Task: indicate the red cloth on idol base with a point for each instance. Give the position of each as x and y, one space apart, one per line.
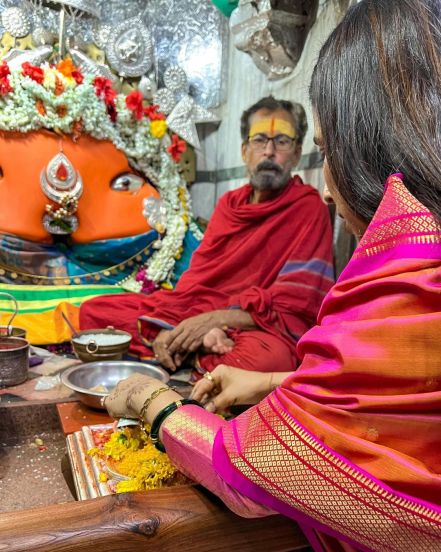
272 259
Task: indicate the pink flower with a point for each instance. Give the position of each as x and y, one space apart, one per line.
148 286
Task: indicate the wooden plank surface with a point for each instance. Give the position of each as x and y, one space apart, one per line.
181 519
74 415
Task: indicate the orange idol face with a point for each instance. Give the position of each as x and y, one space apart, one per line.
110 205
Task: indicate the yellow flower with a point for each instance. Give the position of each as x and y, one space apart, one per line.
134 456
103 477
158 128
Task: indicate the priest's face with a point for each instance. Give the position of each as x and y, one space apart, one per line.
271 151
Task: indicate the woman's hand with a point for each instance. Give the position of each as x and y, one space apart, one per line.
227 386
129 396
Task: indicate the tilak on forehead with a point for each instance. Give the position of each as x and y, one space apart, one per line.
272 126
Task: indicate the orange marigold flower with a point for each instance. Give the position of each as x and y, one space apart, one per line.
61 111
32 71
177 148
68 69
134 103
40 107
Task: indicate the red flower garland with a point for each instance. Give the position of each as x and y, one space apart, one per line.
34 72
134 103
5 85
104 90
177 148
153 113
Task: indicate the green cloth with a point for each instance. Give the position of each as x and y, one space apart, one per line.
226 6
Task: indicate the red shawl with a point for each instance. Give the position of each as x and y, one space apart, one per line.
272 259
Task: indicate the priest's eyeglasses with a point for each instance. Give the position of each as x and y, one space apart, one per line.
281 142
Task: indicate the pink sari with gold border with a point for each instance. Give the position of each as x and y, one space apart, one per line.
350 444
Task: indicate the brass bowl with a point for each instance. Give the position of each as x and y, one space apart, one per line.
95 380
98 345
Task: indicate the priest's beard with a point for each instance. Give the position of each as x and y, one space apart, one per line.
270 176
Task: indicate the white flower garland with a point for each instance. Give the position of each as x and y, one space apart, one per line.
79 102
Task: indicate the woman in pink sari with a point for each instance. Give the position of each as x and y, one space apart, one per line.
350 444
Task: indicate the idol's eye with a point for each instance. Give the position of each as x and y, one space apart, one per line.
127 182
1 172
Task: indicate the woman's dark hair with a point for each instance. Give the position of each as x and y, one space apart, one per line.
269 102
376 92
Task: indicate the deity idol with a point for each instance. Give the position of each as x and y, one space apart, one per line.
91 193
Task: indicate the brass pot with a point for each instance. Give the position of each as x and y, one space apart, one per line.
14 355
91 350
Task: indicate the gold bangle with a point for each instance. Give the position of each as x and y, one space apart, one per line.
152 397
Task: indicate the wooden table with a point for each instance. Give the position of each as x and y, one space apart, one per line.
74 415
177 519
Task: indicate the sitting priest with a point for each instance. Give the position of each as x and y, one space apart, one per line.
256 282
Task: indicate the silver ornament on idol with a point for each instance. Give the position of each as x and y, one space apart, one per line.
184 117
155 211
147 86
130 50
101 34
88 65
42 36
16 57
16 22
62 184
175 79
88 7
166 100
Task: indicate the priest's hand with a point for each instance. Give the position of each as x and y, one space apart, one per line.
189 334
161 350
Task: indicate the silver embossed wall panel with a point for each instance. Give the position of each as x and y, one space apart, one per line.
190 33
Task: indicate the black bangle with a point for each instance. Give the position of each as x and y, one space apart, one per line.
162 415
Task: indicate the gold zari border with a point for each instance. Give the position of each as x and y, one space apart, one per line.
279 456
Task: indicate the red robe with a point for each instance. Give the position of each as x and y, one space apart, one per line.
271 259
